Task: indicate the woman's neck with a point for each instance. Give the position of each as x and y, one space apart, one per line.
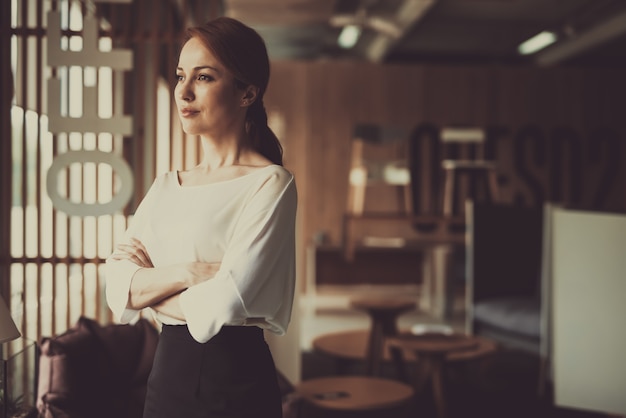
223 153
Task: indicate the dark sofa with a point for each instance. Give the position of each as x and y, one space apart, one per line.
96 371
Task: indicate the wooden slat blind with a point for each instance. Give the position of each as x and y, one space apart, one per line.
51 261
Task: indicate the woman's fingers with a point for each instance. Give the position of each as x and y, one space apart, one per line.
126 253
123 255
143 249
134 252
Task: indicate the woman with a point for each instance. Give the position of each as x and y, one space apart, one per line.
211 250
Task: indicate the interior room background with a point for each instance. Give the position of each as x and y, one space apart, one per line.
556 134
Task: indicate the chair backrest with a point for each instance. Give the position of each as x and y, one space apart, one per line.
471 138
504 250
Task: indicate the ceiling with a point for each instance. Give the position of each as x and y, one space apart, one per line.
590 32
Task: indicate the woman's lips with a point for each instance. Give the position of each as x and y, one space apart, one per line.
186 113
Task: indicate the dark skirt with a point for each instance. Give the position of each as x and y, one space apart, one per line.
230 376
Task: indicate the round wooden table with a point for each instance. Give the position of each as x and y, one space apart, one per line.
384 314
351 345
354 393
433 352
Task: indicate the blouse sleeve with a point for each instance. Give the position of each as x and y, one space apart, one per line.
256 279
119 273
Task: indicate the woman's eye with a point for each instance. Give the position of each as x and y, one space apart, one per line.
179 77
204 77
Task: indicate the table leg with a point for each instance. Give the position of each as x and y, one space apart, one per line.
383 325
374 349
423 373
399 363
437 387
430 370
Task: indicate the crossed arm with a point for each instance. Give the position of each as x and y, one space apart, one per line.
160 287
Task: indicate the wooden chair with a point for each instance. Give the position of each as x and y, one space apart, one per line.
475 167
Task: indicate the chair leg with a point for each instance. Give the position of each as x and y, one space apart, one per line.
448 193
438 390
543 376
493 186
399 363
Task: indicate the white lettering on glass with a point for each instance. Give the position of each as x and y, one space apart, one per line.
119 166
89 56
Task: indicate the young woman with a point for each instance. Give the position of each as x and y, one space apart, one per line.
211 250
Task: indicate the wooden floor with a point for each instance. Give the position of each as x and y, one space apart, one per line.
504 386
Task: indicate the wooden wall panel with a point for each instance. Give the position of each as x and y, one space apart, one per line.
287 94
402 104
455 96
526 111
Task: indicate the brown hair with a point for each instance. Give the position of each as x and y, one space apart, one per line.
242 51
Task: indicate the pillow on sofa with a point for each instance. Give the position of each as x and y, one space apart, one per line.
96 371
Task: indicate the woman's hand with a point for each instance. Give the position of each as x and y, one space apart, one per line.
198 272
134 252
170 306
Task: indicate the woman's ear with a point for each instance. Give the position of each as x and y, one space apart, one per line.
250 95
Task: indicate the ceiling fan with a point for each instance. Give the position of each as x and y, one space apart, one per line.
363 19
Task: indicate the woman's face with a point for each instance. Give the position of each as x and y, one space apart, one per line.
208 101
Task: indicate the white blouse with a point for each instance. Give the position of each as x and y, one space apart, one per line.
246 223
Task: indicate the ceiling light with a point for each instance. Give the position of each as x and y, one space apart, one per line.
537 42
349 36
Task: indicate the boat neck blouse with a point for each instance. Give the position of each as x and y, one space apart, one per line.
247 223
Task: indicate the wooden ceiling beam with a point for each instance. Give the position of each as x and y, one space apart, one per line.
610 29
